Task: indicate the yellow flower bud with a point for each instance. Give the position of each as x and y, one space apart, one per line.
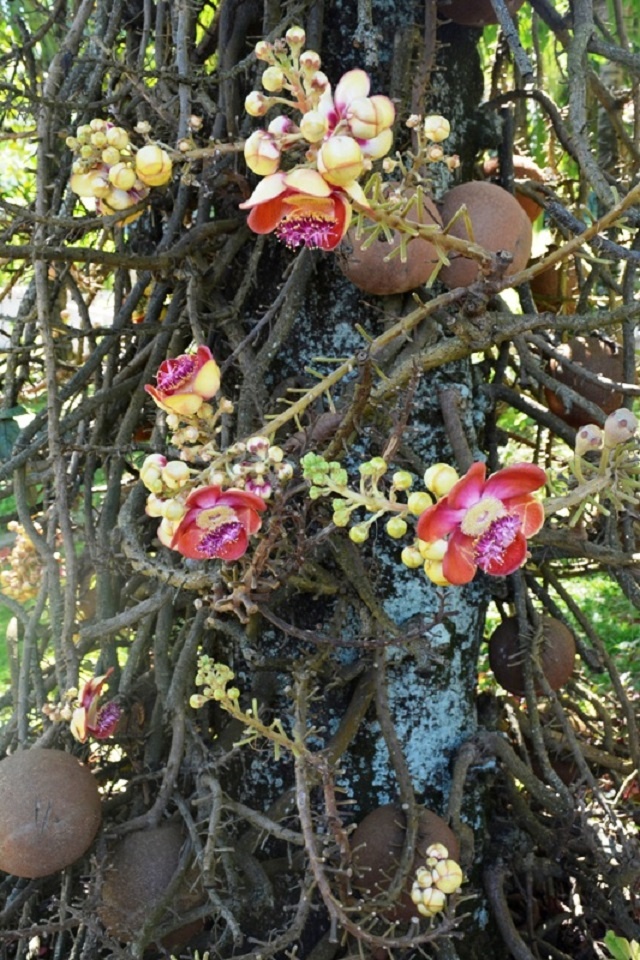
122 176
359 533
256 104
99 139
313 126
295 37
310 61
434 550
91 184
436 128
273 79
396 527
369 116
437 850
110 156
264 51
411 558
402 480
447 876
433 572
173 510
117 137
433 901
588 438
175 474
153 165
340 160
440 478
262 153
418 502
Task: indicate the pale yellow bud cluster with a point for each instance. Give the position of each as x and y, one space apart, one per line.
22 580
435 881
214 679
110 170
430 132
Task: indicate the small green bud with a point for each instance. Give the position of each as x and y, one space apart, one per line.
315 493
379 465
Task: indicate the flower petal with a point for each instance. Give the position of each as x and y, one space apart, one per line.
206 382
513 558
459 564
469 489
353 84
268 189
266 217
530 511
438 521
238 499
306 180
234 549
513 481
378 146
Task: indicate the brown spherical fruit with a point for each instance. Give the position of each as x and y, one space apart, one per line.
524 168
498 222
597 356
376 846
371 272
473 13
557 655
141 866
49 812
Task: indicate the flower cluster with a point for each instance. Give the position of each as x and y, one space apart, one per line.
109 169
473 523
81 710
24 577
438 878
339 135
206 513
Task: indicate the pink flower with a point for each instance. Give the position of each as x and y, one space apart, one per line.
487 522
87 719
218 523
301 208
185 382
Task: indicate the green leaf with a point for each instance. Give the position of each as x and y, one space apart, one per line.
621 949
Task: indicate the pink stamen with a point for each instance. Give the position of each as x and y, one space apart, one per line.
175 372
308 229
215 541
491 546
107 721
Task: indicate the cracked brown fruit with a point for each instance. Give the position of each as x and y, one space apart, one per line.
498 223
557 655
377 845
49 812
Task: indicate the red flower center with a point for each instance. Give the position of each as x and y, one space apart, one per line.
175 372
213 542
490 547
311 229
